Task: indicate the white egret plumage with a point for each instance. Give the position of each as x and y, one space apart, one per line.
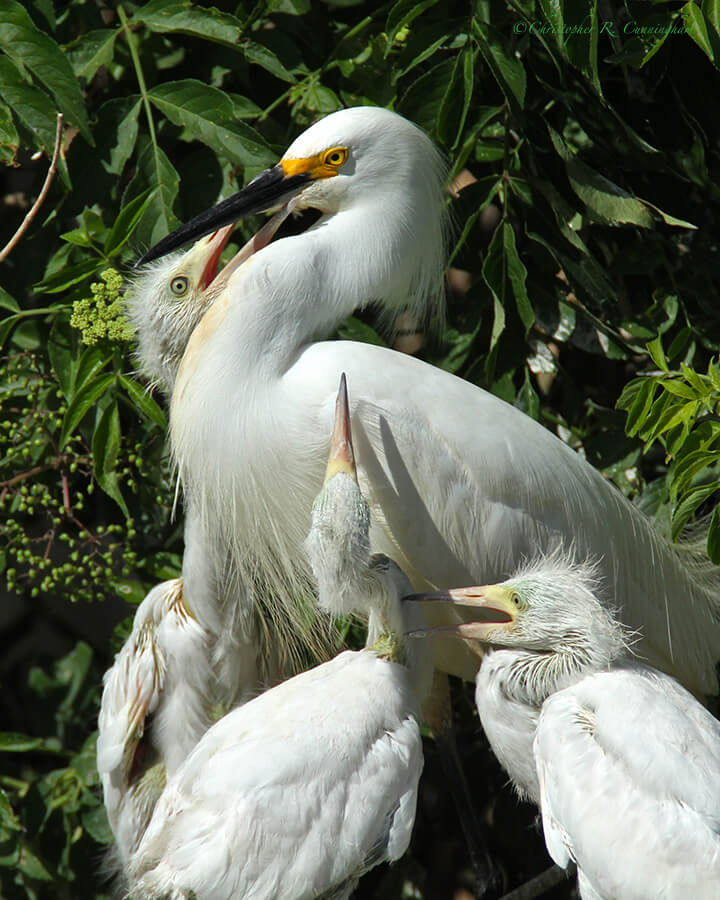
298 792
154 709
168 299
460 484
623 761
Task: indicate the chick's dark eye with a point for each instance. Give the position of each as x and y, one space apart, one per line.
179 285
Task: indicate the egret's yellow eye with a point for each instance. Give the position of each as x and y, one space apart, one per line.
335 156
179 285
517 601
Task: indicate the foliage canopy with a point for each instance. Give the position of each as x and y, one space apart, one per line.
586 154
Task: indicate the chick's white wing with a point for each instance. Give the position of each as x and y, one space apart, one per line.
295 793
629 770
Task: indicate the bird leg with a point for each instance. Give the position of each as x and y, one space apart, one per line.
438 715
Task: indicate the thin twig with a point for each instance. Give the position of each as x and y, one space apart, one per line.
23 476
32 212
540 884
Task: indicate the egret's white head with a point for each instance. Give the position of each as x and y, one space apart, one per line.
374 164
549 607
166 301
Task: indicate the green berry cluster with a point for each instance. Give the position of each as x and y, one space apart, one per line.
101 317
48 496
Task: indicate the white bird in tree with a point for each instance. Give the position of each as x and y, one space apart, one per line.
298 792
167 301
623 762
154 709
459 483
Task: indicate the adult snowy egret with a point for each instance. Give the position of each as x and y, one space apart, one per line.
623 761
460 484
154 709
298 792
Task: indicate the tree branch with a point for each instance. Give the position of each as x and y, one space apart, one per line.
32 212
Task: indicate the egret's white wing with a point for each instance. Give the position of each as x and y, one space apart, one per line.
629 769
462 486
290 795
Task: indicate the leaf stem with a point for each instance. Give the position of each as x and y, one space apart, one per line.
139 74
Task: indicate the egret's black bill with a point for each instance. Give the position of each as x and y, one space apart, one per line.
269 189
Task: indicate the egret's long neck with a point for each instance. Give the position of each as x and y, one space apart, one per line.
300 289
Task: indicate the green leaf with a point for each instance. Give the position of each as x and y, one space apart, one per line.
697 29
8 819
95 822
456 102
18 743
423 99
143 401
127 221
30 864
575 28
131 591
165 16
402 14
7 325
702 386
655 349
154 169
85 397
517 274
668 219
259 55
481 193
641 403
610 203
527 399
8 302
321 99
244 108
117 131
678 389
353 329
685 510
29 47
92 50
713 538
70 275
92 361
289 7
494 276
32 107
208 114
711 11
506 69
9 139
714 374
105 448
63 361
688 466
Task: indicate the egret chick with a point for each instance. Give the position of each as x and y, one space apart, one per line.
300 791
623 762
170 296
153 711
